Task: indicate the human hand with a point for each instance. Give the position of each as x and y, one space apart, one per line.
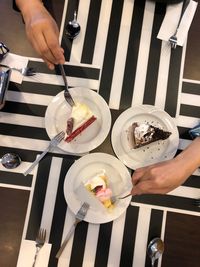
158 178
165 176
42 32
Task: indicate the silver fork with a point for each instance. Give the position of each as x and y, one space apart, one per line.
40 241
173 38
78 218
115 198
53 143
67 94
27 71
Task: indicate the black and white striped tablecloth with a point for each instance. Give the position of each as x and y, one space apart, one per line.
117 243
118 55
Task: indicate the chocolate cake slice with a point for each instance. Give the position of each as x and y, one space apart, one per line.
142 134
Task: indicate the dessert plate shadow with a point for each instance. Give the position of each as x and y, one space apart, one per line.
58 111
86 167
149 154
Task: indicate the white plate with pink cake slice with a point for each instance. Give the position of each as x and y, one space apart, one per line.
83 171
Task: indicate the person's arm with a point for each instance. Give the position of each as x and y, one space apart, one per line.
165 176
42 31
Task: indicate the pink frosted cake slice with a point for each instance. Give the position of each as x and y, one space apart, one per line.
99 187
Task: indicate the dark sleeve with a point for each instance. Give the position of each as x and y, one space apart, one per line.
15 6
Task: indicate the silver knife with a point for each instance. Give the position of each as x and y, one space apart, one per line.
67 94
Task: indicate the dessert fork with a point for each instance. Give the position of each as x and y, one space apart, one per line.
27 71
40 241
67 94
53 143
115 198
173 39
78 218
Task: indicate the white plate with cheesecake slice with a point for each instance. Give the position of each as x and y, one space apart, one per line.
119 180
154 152
58 112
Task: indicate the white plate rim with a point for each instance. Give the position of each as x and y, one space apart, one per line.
70 196
105 126
137 110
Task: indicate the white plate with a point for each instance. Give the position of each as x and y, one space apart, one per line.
152 153
85 168
58 111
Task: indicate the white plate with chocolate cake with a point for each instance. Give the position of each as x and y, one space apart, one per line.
144 135
95 178
86 125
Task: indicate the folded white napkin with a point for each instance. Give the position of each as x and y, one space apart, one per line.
15 61
171 20
27 254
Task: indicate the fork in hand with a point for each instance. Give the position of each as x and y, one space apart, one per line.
53 143
115 198
40 241
173 39
78 218
67 94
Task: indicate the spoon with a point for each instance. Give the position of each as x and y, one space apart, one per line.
73 28
155 249
10 160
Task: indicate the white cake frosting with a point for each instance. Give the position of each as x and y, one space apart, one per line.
80 114
141 130
97 180
98 186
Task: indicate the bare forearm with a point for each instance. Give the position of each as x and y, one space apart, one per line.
42 31
27 7
23 3
165 176
190 157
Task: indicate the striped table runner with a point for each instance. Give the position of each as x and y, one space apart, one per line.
119 243
22 121
118 55
120 36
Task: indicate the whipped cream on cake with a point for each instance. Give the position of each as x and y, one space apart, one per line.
141 134
81 117
99 187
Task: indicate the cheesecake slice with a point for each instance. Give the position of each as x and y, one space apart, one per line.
80 119
142 134
99 187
